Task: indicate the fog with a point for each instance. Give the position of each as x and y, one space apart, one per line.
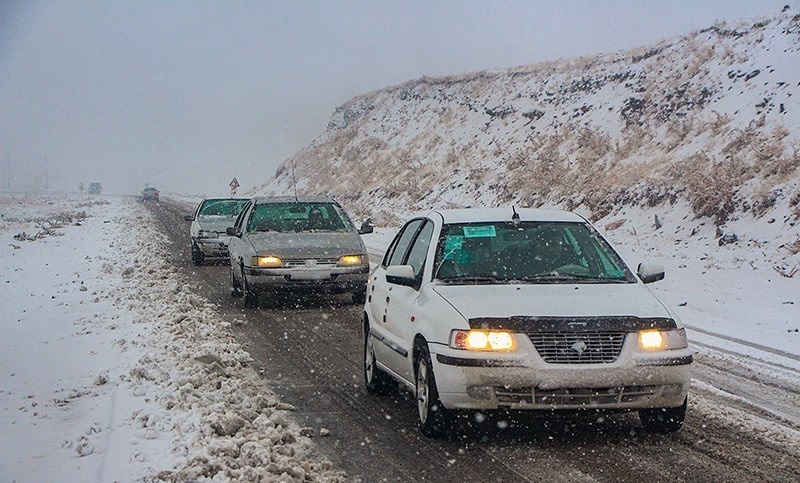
184 96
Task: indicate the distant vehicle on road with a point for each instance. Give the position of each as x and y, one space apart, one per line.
288 244
210 221
149 194
485 309
95 188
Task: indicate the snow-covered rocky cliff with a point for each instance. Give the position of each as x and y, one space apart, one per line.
710 121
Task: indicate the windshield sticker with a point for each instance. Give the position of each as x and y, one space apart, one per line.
487 231
451 244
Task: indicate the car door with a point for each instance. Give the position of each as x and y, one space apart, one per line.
236 243
386 349
402 309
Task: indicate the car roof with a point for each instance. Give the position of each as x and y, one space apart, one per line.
225 199
476 215
292 199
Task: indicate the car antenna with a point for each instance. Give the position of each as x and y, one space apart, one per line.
294 182
515 216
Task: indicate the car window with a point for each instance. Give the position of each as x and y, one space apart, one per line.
242 215
299 217
419 250
228 208
534 251
399 247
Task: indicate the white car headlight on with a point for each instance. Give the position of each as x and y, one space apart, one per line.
350 260
661 340
266 262
482 340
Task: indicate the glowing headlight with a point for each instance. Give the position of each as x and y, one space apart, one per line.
268 262
653 340
481 340
350 260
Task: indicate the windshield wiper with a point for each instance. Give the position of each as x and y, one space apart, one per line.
561 277
477 278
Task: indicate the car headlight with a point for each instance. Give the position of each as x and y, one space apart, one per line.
350 260
661 340
267 262
207 234
481 340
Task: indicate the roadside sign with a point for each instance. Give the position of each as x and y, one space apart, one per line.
234 184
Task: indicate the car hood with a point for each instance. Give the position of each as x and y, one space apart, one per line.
306 244
554 300
215 223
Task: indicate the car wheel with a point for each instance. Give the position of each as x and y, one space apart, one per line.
236 287
376 381
360 296
197 255
250 297
663 420
433 416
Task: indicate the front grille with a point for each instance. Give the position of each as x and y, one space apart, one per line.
575 397
310 262
578 347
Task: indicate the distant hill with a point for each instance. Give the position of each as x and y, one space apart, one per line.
711 119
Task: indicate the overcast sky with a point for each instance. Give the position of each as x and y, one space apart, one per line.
186 95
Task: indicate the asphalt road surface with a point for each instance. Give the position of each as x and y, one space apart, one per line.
309 351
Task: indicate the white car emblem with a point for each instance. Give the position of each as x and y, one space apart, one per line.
579 347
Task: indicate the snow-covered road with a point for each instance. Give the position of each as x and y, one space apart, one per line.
114 368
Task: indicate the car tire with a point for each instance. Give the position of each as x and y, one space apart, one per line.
433 417
250 297
197 255
236 287
375 380
663 420
360 296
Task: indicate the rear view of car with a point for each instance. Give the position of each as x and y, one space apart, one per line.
210 221
289 245
150 194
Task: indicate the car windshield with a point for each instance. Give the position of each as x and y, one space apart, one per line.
530 252
227 208
298 217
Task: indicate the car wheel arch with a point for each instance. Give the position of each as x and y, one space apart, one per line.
419 343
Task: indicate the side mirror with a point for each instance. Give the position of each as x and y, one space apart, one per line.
231 231
188 217
401 275
366 227
650 272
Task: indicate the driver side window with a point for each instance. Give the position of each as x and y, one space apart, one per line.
401 244
419 251
240 219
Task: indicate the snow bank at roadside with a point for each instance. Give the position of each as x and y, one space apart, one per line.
114 369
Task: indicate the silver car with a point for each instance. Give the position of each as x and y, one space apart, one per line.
210 222
294 244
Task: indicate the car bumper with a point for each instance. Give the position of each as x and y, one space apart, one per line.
633 381
212 247
330 280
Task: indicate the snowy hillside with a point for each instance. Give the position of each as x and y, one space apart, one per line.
710 120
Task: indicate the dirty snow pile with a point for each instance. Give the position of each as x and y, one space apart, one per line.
113 369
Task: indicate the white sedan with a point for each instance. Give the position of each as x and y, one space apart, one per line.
485 309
